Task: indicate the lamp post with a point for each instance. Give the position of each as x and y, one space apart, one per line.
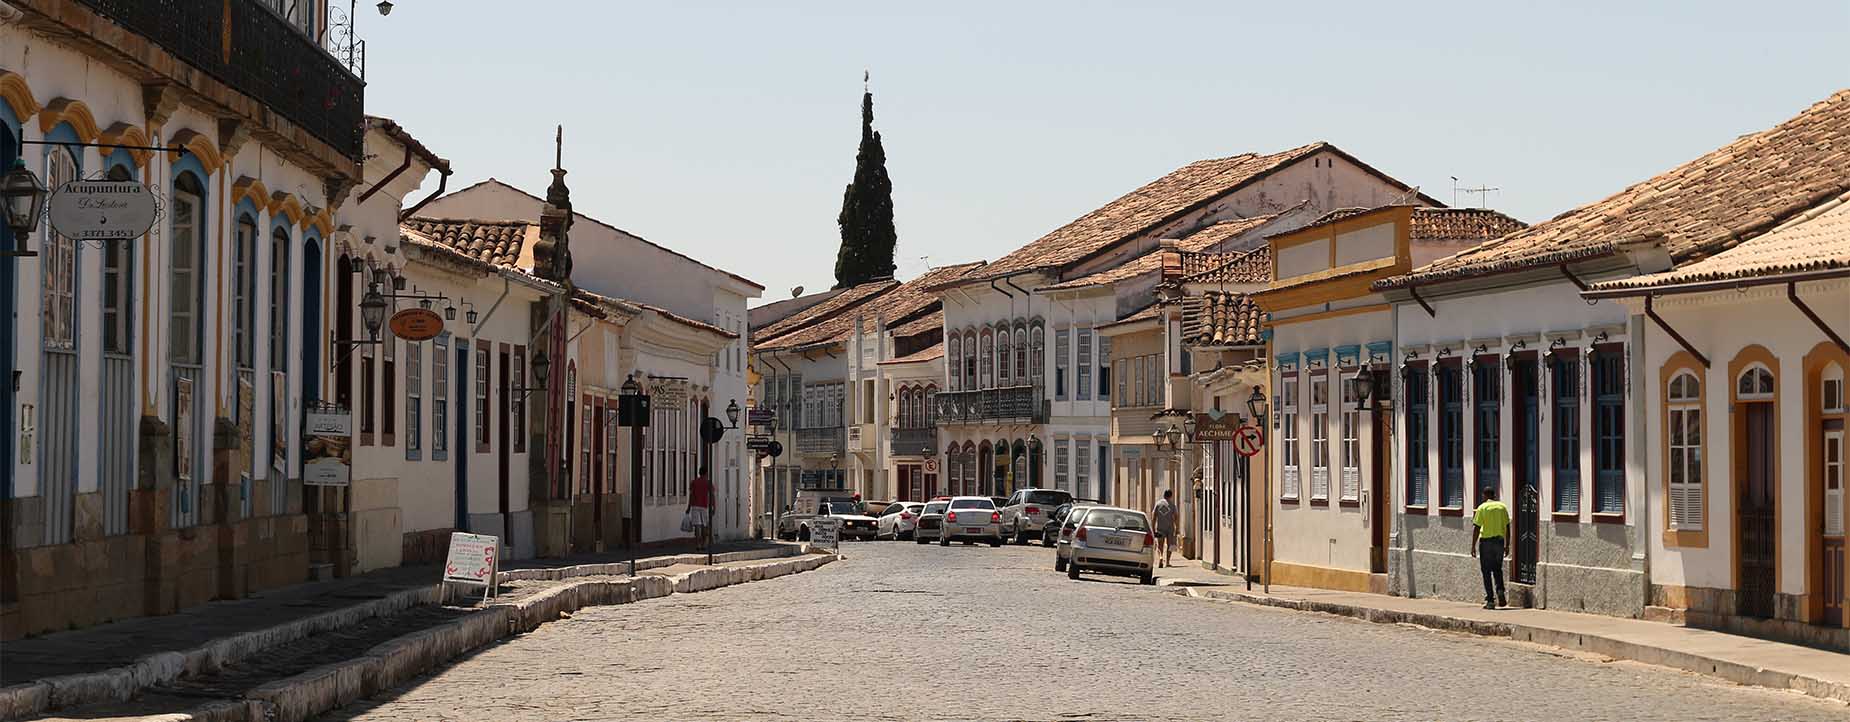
1363 384
372 311
1256 405
541 365
732 414
632 411
23 195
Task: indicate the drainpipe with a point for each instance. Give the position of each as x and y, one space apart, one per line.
443 181
388 177
505 288
1792 293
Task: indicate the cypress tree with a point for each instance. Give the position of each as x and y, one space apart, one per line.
868 240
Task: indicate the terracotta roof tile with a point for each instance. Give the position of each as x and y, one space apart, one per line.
848 298
1731 194
922 324
931 353
1816 241
1189 245
1221 319
1142 210
898 305
1249 266
1461 224
497 242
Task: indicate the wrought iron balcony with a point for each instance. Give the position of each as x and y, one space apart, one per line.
915 442
249 47
824 440
1018 404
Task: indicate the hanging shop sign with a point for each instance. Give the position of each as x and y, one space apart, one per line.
1216 426
328 457
102 210
417 324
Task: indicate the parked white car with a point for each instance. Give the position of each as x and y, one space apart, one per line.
900 520
931 521
972 519
1115 541
1063 544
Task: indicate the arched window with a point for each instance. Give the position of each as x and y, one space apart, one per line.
986 369
905 407
1037 342
244 294
1021 354
1831 388
1004 375
58 372
1684 465
279 347
58 268
953 370
970 382
186 270
931 406
1754 384
118 287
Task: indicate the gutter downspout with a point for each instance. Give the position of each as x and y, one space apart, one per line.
443 181
388 177
506 287
1414 291
1792 294
1651 313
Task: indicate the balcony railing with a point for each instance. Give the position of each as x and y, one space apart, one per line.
259 54
1014 403
915 442
825 440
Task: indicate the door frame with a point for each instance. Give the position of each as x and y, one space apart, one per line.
504 439
1817 426
463 433
1524 443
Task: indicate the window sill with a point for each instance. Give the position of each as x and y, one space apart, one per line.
1350 502
1451 511
1600 518
1573 516
1314 501
1292 500
1416 509
1687 539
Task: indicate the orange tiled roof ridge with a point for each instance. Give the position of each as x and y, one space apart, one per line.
1709 204
496 242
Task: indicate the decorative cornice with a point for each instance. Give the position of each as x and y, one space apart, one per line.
18 95
69 110
125 134
159 101
200 146
232 134
247 187
321 220
286 205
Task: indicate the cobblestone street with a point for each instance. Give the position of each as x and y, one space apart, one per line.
900 621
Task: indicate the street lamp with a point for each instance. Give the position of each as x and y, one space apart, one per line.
372 311
732 413
385 7
1363 384
541 365
1255 404
24 196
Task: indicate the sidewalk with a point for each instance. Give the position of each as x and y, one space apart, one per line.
122 643
1744 660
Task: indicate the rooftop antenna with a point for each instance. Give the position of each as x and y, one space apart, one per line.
927 261
1483 193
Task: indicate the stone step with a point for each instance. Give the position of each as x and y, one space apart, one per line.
1667 615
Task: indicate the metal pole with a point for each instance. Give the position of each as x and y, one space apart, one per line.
633 535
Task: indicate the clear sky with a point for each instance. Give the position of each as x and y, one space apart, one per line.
727 130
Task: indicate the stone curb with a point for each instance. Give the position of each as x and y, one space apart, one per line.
121 684
1607 646
394 662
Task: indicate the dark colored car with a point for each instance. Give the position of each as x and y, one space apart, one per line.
1050 532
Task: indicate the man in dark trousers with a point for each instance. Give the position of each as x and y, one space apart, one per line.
1490 543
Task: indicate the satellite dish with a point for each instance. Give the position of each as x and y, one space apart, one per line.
795 292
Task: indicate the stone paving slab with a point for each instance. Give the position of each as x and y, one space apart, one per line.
1745 660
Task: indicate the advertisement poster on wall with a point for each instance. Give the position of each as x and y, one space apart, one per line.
328 451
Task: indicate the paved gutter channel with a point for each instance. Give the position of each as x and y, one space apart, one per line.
320 671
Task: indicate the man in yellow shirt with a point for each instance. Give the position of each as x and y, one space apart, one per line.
1490 535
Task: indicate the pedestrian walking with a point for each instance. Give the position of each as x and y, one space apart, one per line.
1165 516
699 515
1490 544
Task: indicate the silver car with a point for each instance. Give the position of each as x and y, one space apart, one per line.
1115 541
972 519
1026 512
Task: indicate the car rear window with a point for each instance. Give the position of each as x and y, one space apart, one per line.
972 504
936 507
1117 519
1049 497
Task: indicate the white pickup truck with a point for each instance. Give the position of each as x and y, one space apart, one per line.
854 525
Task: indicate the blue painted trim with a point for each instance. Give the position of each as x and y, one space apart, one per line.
12 126
64 133
121 157
1348 355
1384 349
1316 354
247 208
1286 359
279 220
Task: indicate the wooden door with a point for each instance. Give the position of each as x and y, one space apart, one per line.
1758 535
1526 423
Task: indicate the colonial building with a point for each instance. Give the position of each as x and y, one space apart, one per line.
1027 368
1330 432
1511 377
156 387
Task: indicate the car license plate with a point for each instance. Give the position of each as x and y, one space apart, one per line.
1115 540
973 530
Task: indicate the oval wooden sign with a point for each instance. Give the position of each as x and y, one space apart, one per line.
417 324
